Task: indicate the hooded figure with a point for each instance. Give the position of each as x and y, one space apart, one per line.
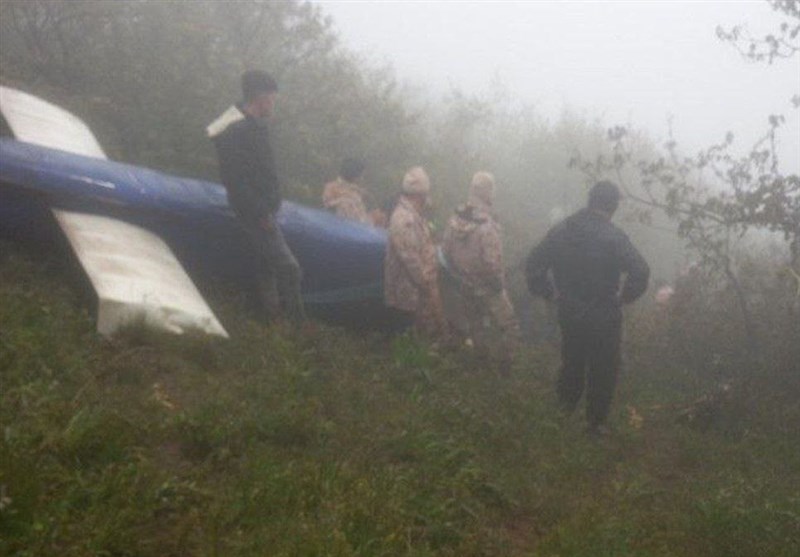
411 275
473 253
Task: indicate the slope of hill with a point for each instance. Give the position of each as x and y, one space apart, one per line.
325 443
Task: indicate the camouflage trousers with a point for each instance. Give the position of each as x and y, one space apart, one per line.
429 320
491 323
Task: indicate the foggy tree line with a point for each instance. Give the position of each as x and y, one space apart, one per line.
148 76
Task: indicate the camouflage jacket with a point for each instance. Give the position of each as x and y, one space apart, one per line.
410 269
473 250
346 200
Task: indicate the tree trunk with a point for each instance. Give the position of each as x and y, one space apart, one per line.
747 317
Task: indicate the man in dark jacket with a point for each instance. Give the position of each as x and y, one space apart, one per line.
579 264
247 170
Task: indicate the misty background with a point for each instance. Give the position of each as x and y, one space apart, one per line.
635 63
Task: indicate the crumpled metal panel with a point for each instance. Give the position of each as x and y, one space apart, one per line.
134 273
136 277
37 121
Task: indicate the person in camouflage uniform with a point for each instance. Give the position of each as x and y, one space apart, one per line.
345 196
473 253
411 275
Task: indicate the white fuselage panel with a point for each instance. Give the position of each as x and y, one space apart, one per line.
136 276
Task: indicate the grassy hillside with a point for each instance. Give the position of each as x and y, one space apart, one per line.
324 443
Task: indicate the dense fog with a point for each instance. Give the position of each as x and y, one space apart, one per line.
640 64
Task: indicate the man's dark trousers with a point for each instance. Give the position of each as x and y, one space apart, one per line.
277 271
590 355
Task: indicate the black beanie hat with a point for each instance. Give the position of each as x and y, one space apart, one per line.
604 196
256 82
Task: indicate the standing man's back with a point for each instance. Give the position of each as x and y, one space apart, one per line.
247 170
579 264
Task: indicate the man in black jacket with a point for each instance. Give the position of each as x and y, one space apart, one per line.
247 170
579 264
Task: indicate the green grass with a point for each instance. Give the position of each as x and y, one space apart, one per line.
320 442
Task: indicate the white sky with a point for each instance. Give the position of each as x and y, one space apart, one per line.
624 62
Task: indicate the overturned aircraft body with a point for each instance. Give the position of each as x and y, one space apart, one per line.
140 234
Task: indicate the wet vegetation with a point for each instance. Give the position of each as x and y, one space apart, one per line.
323 443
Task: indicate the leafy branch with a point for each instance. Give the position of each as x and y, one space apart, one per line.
784 43
714 197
